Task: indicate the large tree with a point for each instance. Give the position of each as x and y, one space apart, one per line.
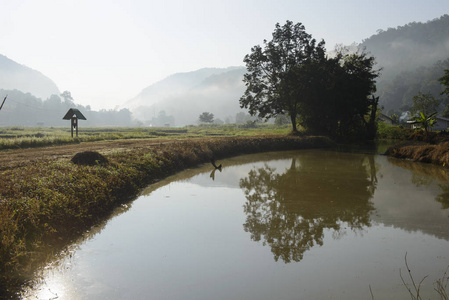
292 75
271 85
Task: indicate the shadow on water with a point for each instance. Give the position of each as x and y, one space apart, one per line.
290 211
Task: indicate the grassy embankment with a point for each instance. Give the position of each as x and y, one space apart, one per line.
419 146
44 206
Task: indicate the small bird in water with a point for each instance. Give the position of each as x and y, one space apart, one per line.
213 163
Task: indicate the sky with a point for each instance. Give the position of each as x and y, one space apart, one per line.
106 51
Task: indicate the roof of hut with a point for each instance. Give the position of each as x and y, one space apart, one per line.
74 112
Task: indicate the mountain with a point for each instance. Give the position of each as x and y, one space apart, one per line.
184 96
14 76
412 58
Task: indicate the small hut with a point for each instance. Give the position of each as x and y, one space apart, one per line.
74 114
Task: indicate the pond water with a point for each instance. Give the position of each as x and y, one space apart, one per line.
311 224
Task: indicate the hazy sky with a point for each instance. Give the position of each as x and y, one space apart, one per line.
106 51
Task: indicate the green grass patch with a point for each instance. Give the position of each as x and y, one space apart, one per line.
30 137
393 132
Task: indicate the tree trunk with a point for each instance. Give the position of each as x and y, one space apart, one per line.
371 126
293 119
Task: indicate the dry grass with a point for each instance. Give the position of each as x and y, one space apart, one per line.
435 154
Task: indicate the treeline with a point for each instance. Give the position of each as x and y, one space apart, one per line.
410 46
397 95
412 58
24 109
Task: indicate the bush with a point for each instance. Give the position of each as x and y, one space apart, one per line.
392 132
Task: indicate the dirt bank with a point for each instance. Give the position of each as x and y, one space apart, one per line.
421 152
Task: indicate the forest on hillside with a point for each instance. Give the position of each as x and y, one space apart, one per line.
412 58
24 109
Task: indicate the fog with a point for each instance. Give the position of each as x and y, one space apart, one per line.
185 96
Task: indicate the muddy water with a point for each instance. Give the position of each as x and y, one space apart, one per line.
309 224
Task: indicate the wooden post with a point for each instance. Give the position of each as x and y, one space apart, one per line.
74 125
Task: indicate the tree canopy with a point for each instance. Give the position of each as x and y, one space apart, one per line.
444 80
292 75
272 71
424 103
206 117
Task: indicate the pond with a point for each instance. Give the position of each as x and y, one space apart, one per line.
309 224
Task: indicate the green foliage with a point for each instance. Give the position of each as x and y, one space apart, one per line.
395 118
426 122
392 132
206 117
291 75
271 78
444 80
338 91
425 104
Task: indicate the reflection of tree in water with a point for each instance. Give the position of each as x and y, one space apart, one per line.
290 211
443 198
427 174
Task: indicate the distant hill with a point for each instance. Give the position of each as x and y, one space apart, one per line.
410 46
14 76
184 96
413 57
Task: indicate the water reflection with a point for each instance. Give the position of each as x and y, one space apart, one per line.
212 174
426 175
290 211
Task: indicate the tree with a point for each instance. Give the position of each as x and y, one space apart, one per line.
424 103
338 97
206 117
424 109
67 96
272 72
444 80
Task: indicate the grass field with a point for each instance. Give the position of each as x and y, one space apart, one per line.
28 137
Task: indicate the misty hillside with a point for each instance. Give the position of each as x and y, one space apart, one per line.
410 46
16 76
184 96
412 58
